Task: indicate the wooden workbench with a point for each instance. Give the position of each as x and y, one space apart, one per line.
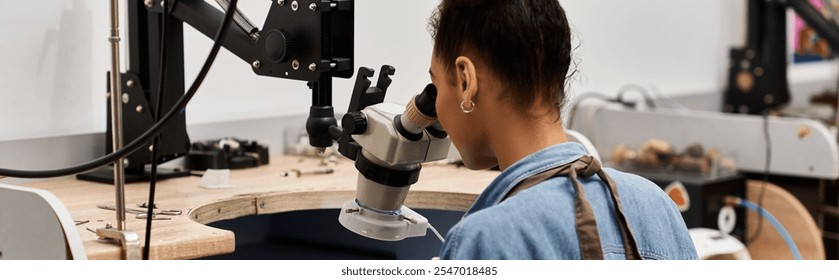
253 191
264 190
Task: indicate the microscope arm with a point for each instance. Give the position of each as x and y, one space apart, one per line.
206 19
300 40
305 40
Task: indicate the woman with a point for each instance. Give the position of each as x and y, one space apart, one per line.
500 67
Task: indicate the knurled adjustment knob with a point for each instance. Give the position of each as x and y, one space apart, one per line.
354 123
278 46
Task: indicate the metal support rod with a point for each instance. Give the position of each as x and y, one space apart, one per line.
116 115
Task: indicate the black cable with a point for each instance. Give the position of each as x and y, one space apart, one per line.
765 178
164 48
146 136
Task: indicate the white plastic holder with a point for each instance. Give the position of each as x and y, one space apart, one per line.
385 226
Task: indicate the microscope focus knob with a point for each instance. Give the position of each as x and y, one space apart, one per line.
354 123
278 46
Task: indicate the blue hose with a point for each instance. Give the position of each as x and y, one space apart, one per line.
780 228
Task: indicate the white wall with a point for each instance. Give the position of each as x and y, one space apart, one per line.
54 55
679 46
52 68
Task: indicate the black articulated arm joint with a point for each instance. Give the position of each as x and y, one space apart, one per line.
305 40
300 40
318 125
758 73
757 78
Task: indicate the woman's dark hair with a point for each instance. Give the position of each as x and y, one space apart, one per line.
525 43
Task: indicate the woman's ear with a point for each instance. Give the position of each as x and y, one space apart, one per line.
467 78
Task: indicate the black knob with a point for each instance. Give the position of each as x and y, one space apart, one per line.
278 46
354 123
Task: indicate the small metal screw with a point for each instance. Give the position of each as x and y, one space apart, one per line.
262 204
768 99
313 7
294 6
162 3
256 64
125 98
149 3
109 225
313 67
281 2
295 64
139 108
758 71
129 83
151 147
745 64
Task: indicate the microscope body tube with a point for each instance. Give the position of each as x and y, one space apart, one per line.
383 187
394 141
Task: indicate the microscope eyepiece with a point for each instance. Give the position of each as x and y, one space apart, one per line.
427 100
420 113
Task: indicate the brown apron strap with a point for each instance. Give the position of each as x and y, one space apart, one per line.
585 222
629 242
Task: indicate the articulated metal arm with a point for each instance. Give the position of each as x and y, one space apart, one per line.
300 40
206 19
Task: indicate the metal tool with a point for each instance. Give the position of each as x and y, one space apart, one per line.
298 172
145 205
144 216
167 212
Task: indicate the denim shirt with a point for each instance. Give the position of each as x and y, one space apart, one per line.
538 223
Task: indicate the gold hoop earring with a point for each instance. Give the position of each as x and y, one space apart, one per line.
471 105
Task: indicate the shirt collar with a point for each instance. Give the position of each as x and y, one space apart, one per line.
530 165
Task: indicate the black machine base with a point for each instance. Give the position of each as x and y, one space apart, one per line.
105 175
706 196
